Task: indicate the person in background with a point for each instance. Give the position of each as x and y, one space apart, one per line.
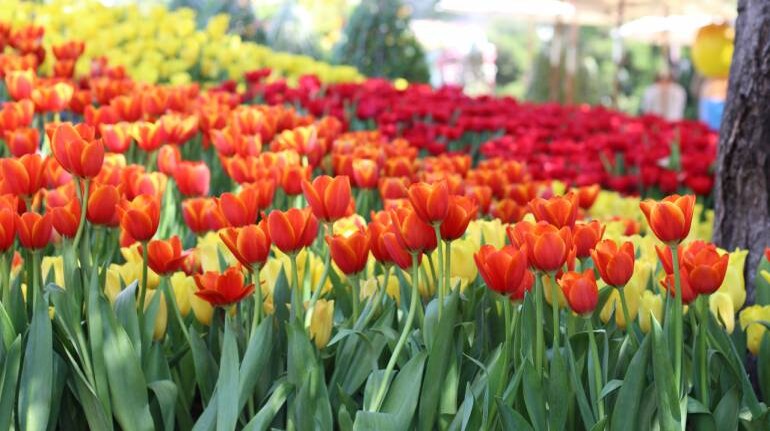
665 97
713 93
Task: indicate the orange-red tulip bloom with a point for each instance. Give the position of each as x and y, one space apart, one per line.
140 217
412 233
22 141
461 211
223 289
580 291
76 150
240 209
192 178
102 201
688 294
20 83
430 201
366 173
559 211
351 252
22 176
202 215
615 264
249 244
66 218
503 270
705 267
116 137
34 229
548 247
292 230
587 195
165 256
377 228
585 236
398 254
671 218
328 197
7 228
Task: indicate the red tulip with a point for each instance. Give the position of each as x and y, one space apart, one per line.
149 136
705 267
670 219
140 217
559 211
688 294
34 230
350 253
398 254
508 211
377 228
366 173
20 83
22 176
548 247
412 233
580 291
76 150
202 215
249 244
223 289
116 137
615 264
585 236
240 209
587 195
292 177
165 256
503 270
430 201
22 141
102 201
7 228
292 230
461 211
66 218
328 197
192 178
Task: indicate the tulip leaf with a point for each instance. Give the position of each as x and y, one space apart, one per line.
227 384
764 371
440 349
511 419
264 417
311 403
535 397
126 381
586 413
92 408
668 389
761 284
166 394
726 412
8 381
35 387
125 309
7 331
255 358
204 364
400 403
96 332
558 392
626 408
600 426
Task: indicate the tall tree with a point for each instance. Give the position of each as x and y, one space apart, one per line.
742 198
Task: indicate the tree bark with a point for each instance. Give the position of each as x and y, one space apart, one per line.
742 202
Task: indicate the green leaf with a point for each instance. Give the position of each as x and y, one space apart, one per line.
726 412
7 331
204 364
265 416
610 387
227 384
166 393
511 419
600 425
668 390
92 408
440 351
558 392
401 401
37 370
10 378
258 351
763 372
125 309
96 331
586 413
762 286
312 408
128 388
626 408
534 398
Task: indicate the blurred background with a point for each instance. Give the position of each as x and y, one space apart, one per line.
606 52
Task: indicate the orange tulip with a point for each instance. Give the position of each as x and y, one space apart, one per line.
705 267
688 294
461 211
76 150
393 187
615 264
585 236
7 228
66 218
20 83
192 178
53 98
587 195
366 173
140 217
548 247
15 115
223 289
328 197
292 177
165 256
670 219
22 141
249 244
292 230
482 195
377 228
240 209
508 211
430 201
503 270
580 291
102 201
149 136
116 137
69 50
202 215
412 233
34 230
559 211
22 176
398 254
351 252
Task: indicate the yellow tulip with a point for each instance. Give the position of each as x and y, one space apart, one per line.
183 287
734 284
486 232
721 305
755 331
161 319
650 304
370 287
210 247
322 322
463 266
132 270
548 289
55 263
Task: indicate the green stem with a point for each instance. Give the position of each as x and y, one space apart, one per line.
627 317
555 310
83 208
5 273
402 339
539 336
324 275
355 293
448 266
257 301
596 365
167 290
677 319
442 275
296 294
143 288
702 349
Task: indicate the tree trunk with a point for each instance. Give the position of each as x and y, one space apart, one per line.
741 195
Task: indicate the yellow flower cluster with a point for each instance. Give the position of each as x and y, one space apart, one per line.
159 45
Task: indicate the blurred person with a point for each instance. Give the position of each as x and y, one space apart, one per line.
665 97
711 101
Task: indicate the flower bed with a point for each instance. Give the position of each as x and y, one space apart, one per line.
175 257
